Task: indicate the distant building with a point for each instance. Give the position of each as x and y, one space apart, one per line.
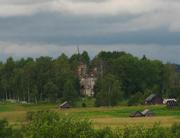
171 104
12 101
136 114
23 102
169 100
87 86
145 113
87 80
154 99
65 105
82 70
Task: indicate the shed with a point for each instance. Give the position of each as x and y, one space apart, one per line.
64 105
154 99
136 114
168 100
147 112
171 103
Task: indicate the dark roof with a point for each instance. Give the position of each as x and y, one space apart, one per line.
136 114
147 112
144 113
150 97
65 105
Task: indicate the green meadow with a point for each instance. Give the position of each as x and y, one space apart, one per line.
100 116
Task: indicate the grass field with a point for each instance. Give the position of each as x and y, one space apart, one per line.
100 117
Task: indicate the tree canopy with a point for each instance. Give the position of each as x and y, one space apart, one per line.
120 76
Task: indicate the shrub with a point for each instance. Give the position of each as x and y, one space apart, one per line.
83 104
47 124
5 129
29 115
175 129
104 133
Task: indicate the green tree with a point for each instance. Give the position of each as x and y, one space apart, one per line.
136 99
51 90
70 91
110 91
44 71
85 58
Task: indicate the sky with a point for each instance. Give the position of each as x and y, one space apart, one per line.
33 28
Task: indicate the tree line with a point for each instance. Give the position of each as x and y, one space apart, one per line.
123 76
120 76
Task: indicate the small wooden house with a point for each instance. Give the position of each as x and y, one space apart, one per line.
65 105
169 100
136 114
145 113
171 104
154 99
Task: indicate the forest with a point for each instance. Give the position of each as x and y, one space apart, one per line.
120 77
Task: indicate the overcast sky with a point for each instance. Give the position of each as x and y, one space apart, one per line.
49 27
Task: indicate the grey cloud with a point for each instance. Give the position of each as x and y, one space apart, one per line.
138 26
149 14
22 1
61 29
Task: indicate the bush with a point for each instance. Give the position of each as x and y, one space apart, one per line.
5 129
83 104
29 115
175 129
104 133
47 124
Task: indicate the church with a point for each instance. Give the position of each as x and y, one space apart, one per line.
87 80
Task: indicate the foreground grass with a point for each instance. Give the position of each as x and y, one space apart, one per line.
101 117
